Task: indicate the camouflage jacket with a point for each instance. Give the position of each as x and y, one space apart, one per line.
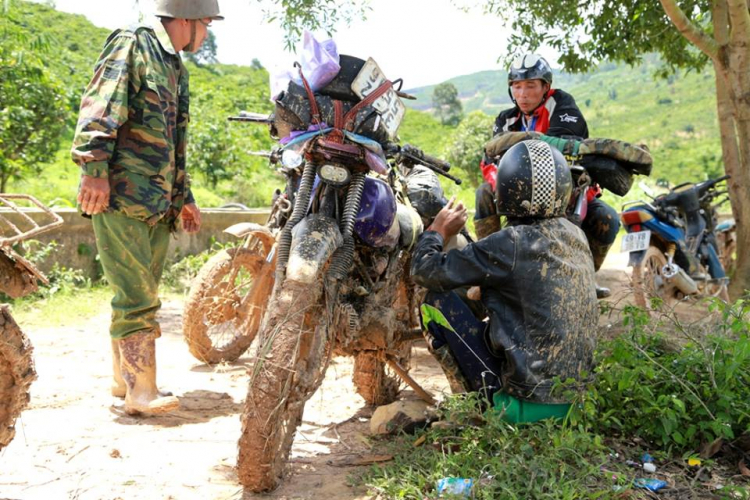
133 122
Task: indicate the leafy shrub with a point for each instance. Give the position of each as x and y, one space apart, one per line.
677 397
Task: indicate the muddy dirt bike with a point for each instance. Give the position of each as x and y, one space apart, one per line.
18 277
341 255
677 250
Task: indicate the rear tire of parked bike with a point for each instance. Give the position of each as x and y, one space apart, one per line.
16 374
291 353
372 378
648 281
222 314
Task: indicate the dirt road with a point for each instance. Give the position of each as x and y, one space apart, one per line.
72 443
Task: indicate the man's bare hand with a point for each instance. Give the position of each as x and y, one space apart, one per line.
191 218
93 195
450 219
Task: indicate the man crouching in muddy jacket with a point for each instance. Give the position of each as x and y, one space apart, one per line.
536 279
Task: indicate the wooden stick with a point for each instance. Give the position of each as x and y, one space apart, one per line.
426 396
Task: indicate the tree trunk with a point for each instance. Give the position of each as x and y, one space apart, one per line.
725 105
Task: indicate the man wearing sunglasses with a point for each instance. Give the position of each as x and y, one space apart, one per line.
552 112
130 143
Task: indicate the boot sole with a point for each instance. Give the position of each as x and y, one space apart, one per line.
154 409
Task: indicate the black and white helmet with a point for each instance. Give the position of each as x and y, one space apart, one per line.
533 180
530 67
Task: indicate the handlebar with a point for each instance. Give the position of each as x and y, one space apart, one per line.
412 155
706 185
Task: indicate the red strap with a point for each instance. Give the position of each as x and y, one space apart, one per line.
377 93
338 114
314 111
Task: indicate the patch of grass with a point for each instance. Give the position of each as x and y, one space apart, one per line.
62 309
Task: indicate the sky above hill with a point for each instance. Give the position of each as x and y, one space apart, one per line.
422 41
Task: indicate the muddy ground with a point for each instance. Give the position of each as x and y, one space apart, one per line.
73 442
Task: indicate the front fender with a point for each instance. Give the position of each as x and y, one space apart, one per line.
314 240
242 229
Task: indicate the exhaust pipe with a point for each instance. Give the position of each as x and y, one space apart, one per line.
677 276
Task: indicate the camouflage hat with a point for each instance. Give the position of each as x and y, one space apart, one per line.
189 9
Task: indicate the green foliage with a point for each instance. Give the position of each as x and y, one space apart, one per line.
677 397
446 104
629 117
32 107
298 15
602 30
466 148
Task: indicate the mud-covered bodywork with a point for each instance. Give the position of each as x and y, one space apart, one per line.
314 240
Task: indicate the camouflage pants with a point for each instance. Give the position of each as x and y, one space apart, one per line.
132 254
600 226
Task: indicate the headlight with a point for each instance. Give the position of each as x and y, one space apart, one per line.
291 159
333 174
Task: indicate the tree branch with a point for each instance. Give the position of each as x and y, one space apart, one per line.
740 18
696 36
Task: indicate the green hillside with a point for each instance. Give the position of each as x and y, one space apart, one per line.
676 118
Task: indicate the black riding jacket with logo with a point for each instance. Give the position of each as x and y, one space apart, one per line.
559 116
537 283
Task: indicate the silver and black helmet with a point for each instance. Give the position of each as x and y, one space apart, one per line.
530 67
533 180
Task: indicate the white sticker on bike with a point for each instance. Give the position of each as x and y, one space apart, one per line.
389 105
636 242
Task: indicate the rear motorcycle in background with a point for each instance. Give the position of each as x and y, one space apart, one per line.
677 249
18 278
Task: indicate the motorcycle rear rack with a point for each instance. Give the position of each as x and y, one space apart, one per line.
10 233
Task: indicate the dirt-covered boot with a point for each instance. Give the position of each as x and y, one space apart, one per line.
118 383
486 226
138 363
119 389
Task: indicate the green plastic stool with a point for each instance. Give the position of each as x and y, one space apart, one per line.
519 411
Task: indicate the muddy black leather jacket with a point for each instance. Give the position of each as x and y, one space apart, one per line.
537 283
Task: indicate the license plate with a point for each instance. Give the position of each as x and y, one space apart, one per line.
635 242
389 105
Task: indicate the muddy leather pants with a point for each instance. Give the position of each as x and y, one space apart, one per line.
132 254
600 226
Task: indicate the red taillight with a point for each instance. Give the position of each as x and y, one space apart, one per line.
635 228
631 218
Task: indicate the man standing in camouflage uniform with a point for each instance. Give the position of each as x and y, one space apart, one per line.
130 143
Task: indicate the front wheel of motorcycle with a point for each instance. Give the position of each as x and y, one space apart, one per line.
226 304
16 374
291 352
649 283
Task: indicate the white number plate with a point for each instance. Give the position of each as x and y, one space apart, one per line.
389 105
635 242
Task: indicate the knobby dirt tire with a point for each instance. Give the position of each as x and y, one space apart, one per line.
289 367
16 374
221 319
374 381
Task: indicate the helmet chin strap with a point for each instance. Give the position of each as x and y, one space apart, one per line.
190 47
